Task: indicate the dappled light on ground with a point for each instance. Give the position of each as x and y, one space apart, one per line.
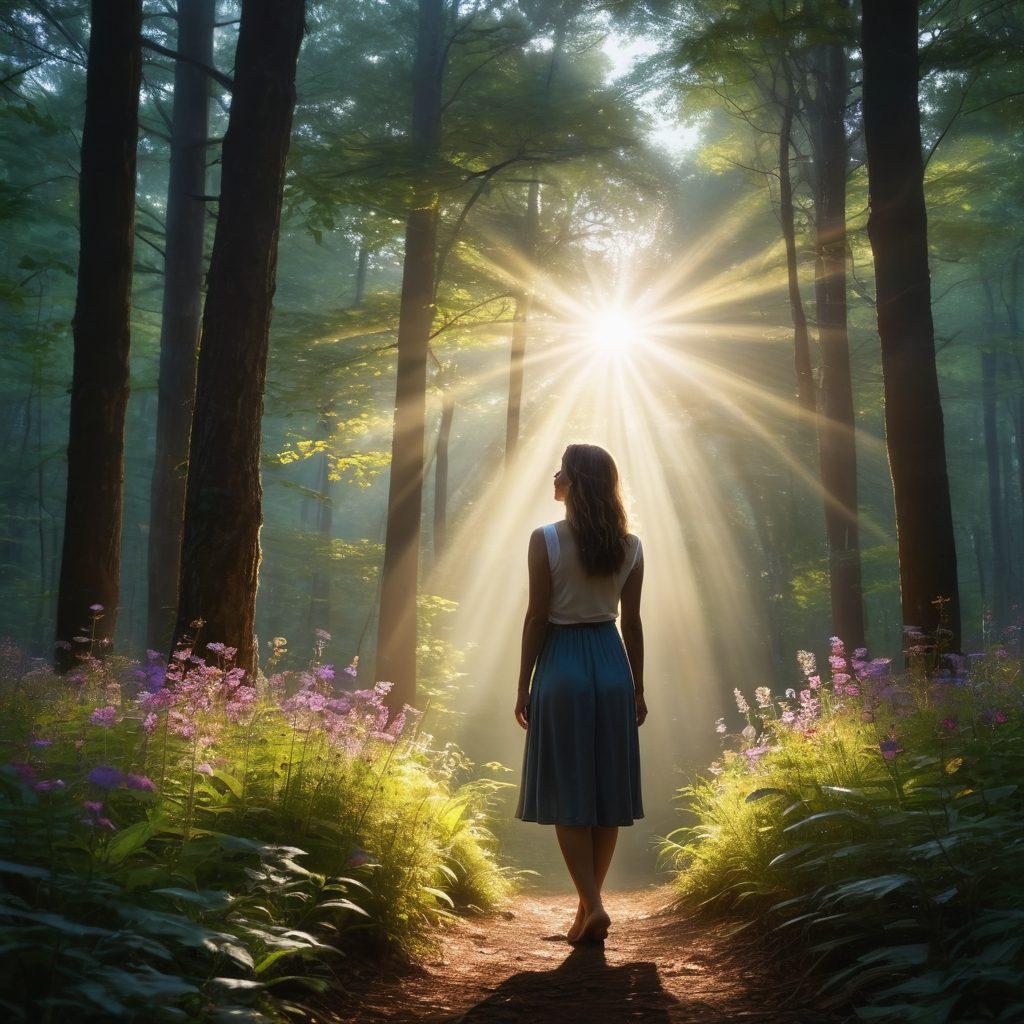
516 968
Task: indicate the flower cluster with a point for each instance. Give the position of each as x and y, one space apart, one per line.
864 688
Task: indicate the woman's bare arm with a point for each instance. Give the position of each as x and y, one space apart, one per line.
535 624
633 635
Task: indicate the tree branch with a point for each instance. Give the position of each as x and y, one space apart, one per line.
218 76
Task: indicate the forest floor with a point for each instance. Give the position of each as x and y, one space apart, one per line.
656 966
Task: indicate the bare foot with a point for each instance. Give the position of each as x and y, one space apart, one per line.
577 926
595 926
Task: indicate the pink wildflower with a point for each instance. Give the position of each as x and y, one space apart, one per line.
140 782
104 717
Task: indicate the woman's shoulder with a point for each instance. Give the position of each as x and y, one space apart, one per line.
540 531
547 533
634 548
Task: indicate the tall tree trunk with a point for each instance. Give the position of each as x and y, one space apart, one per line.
1011 299
990 420
320 586
223 498
898 230
396 630
520 321
91 561
362 267
997 532
836 438
182 312
801 342
444 431
979 562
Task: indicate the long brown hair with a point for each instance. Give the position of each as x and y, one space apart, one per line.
594 508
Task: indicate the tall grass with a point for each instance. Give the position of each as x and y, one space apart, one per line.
878 821
205 846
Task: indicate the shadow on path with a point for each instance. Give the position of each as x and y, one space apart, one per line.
513 967
584 987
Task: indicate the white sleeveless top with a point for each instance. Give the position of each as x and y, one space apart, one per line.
576 597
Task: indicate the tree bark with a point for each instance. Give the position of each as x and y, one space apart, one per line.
898 230
805 395
396 630
91 560
444 431
836 438
362 266
320 586
520 322
1011 300
223 499
990 420
182 311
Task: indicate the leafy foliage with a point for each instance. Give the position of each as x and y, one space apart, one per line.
182 837
880 820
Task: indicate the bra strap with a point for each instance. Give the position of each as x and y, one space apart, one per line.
551 539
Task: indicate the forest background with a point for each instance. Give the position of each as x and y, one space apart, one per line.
595 164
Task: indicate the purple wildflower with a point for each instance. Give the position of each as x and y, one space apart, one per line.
140 782
889 748
358 857
105 776
48 785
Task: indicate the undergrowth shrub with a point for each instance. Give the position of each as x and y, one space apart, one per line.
879 820
204 846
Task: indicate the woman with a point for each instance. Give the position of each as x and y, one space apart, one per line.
581 765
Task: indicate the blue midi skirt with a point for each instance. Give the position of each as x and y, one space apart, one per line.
581 764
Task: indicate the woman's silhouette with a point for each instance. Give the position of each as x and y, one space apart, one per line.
581 765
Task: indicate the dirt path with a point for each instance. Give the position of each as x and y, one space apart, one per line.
655 967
